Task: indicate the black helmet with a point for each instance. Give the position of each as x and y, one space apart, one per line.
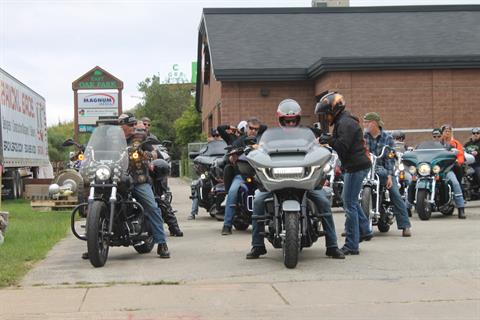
398 135
288 110
332 103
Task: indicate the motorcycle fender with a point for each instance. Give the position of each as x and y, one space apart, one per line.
423 184
291 206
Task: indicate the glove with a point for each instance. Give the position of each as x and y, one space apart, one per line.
324 138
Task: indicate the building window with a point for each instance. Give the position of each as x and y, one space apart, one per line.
206 64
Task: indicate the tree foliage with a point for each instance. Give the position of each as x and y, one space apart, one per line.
188 127
56 136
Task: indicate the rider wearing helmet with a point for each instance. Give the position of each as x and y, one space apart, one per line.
347 140
289 115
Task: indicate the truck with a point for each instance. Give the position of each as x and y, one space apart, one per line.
23 134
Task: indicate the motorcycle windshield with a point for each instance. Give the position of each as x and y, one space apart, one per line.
287 140
214 149
107 145
430 152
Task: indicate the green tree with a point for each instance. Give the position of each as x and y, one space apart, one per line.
163 104
188 128
57 134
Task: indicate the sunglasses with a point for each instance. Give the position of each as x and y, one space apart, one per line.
476 133
146 124
216 135
435 136
254 128
133 124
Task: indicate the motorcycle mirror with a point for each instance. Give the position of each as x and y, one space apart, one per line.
68 143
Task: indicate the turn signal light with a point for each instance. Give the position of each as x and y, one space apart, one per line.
402 176
81 157
249 180
414 178
135 155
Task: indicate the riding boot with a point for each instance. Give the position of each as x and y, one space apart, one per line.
461 213
171 220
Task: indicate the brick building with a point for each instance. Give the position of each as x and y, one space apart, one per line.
417 66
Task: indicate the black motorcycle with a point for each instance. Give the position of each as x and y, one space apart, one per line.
244 206
430 190
114 217
209 189
470 184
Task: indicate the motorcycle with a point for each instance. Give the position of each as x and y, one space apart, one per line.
375 197
244 206
209 188
470 185
334 181
114 217
430 191
289 163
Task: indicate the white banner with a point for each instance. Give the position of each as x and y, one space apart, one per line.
23 122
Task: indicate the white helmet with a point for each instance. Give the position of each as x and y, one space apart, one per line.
242 126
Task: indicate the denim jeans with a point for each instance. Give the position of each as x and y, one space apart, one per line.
232 197
143 193
399 207
320 199
356 222
457 190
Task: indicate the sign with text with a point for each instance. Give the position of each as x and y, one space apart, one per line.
91 106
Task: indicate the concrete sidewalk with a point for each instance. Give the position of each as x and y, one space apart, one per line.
418 298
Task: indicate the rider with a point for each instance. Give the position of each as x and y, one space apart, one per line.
455 175
142 190
399 141
253 127
437 135
472 146
289 115
376 139
169 217
347 140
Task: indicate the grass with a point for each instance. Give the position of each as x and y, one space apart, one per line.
29 237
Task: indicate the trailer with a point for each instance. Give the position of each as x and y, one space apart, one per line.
23 134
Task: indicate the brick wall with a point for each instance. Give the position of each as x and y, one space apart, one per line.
411 99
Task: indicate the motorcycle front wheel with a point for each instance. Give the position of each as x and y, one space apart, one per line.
291 244
97 234
423 207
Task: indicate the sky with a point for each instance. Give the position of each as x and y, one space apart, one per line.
47 44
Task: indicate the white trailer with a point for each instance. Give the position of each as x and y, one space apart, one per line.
23 134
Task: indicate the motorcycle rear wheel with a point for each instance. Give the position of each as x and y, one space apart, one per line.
291 244
423 207
97 234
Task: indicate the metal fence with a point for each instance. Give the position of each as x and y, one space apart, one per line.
190 170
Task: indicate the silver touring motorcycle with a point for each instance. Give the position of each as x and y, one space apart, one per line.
289 163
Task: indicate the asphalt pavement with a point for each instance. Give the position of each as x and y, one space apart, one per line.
435 274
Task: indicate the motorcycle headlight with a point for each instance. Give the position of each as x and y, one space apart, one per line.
401 167
288 173
412 169
202 176
424 169
436 169
103 173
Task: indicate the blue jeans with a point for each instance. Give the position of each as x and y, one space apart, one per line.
232 197
399 207
144 194
322 203
356 222
457 190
